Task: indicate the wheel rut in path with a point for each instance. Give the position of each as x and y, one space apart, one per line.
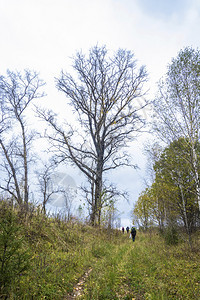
78 288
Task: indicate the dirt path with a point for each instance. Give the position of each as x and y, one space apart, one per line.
123 253
78 288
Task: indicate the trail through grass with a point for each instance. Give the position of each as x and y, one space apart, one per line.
146 269
45 259
108 279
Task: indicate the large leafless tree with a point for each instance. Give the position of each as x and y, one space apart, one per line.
17 91
106 93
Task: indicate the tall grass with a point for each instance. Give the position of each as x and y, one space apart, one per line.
147 269
45 257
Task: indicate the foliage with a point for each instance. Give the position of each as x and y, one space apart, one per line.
171 199
177 107
171 235
143 209
173 172
176 104
14 259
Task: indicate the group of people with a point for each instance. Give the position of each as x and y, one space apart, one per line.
132 232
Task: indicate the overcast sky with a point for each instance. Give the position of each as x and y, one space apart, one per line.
43 34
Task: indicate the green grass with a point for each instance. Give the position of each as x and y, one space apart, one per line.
56 254
146 269
46 257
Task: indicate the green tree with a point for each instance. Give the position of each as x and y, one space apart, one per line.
159 193
173 170
177 106
143 210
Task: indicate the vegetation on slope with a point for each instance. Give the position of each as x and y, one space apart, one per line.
146 269
43 258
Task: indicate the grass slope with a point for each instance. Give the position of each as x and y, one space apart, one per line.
146 269
43 258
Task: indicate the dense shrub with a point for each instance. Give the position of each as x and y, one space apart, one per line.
171 235
13 258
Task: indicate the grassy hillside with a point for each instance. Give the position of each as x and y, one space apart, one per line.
43 258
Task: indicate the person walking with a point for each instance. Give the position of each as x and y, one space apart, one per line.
133 233
127 229
123 229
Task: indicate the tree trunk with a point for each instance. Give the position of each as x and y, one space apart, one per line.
25 166
13 171
185 215
97 202
96 208
196 174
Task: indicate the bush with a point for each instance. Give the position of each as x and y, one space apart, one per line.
13 259
171 236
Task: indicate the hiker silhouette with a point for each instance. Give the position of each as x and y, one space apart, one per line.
133 233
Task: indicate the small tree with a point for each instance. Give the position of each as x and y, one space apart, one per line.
110 216
69 195
143 210
45 184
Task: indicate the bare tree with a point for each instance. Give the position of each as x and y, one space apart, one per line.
49 189
69 195
45 184
17 91
107 97
110 216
